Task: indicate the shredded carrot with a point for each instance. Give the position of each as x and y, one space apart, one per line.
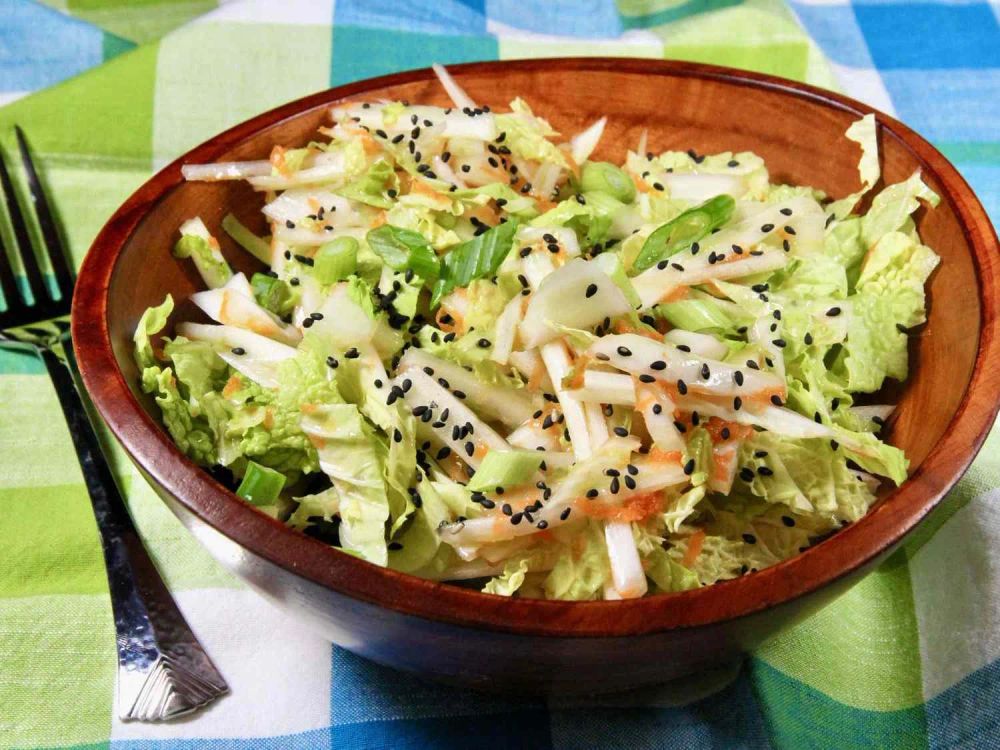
640 184
318 442
676 294
268 418
308 408
722 464
580 368
763 397
535 381
314 204
380 219
634 508
658 455
737 431
232 385
694 548
277 160
484 214
623 326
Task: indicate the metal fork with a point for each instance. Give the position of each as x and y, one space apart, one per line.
163 671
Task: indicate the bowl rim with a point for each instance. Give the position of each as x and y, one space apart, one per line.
837 557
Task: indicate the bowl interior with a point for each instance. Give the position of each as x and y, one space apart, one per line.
801 140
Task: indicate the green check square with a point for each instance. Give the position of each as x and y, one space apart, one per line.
201 89
58 670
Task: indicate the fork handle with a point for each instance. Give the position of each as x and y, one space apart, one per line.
163 671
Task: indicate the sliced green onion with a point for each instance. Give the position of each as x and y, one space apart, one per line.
505 469
603 177
477 258
684 230
336 260
403 249
260 485
257 247
272 294
694 315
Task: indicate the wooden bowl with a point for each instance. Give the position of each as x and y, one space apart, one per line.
462 636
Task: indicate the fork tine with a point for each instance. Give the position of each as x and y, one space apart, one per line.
8 283
35 281
58 256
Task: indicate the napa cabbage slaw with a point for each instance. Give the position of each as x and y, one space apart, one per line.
476 355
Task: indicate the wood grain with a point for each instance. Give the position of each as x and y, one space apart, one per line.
945 409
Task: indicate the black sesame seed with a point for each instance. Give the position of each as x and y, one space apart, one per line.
483 343
684 347
680 426
689 467
658 365
732 163
239 351
630 483
592 493
646 378
737 403
746 474
682 387
780 343
833 312
788 521
752 364
470 448
705 372
776 400
657 409
352 353
615 486
332 362
621 432
749 539
624 351
765 471
808 338
591 290
724 433
516 518
459 394
290 224
767 228
738 377
565 514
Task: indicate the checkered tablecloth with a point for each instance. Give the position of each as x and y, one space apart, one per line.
109 90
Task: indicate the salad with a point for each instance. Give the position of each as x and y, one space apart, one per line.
477 355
